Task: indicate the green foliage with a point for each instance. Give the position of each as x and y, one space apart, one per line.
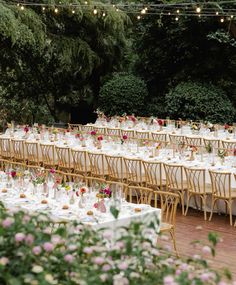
199 101
34 252
59 59
124 93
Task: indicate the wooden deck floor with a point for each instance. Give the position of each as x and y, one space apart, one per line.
193 227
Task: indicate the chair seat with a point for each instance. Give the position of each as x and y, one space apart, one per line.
165 227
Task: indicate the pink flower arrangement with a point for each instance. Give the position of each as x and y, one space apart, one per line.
132 118
124 137
93 133
52 171
77 136
160 122
29 239
226 126
100 138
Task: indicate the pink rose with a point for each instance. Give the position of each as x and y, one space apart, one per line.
19 237
160 122
206 249
98 260
7 222
29 239
4 260
88 250
93 133
106 267
69 258
125 137
100 138
48 247
36 250
123 266
52 170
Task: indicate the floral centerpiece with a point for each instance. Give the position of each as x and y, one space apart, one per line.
160 123
222 153
228 128
124 138
209 147
104 192
195 127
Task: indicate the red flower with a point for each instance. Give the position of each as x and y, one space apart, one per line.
26 129
160 122
226 126
77 136
13 174
52 171
82 190
93 133
125 137
132 118
100 138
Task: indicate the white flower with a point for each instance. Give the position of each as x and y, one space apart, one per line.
49 278
37 269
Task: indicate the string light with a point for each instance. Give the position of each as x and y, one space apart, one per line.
117 9
177 11
103 14
95 11
73 11
143 11
56 10
176 19
86 3
138 17
22 8
43 8
222 20
217 13
198 9
231 16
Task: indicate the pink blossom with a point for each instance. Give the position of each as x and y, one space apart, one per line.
206 249
19 237
36 250
29 239
4 260
88 250
204 277
107 234
168 280
52 170
120 244
47 246
178 272
7 222
72 247
69 258
98 260
106 267
123 266
26 218
56 239
103 277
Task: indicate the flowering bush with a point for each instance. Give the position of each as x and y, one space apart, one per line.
32 252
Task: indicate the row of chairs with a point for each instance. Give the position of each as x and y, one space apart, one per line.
155 136
167 201
132 171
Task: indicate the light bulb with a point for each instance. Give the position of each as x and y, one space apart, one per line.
177 11
222 20
217 13
198 9
95 11
176 19
43 8
103 14
168 13
22 8
73 11
146 8
143 11
138 17
56 10
86 3
231 16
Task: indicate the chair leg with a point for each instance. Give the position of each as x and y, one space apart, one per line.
203 199
213 201
182 201
187 203
230 212
172 234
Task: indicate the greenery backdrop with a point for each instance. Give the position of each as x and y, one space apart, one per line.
51 63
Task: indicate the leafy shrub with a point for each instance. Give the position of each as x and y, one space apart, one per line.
199 101
30 253
124 93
